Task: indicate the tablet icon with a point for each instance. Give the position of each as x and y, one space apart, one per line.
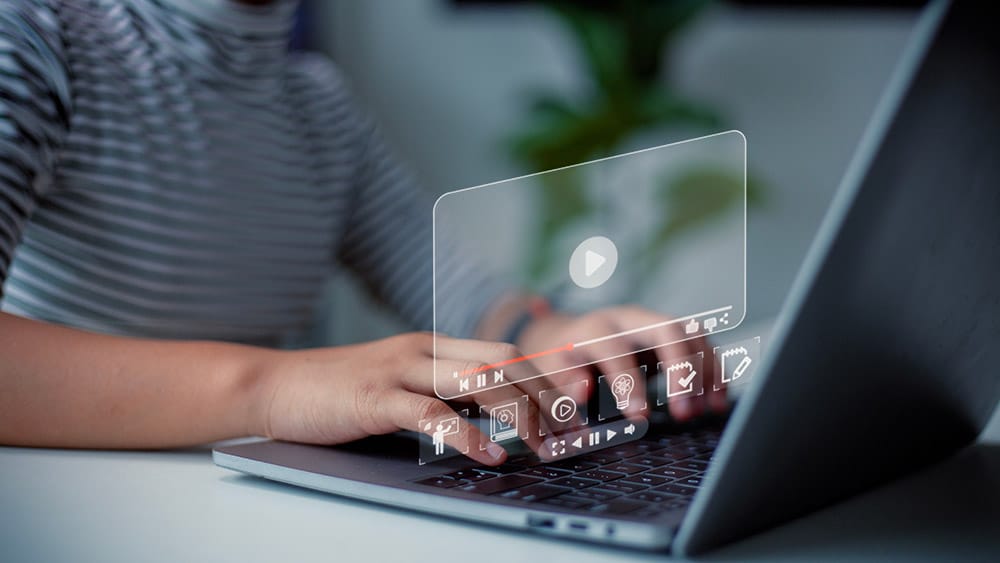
503 422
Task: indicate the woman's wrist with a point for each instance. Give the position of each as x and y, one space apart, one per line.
257 377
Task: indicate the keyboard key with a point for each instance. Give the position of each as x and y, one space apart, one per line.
618 506
671 472
534 493
571 503
675 489
690 481
647 445
597 495
503 469
500 484
646 479
671 441
627 450
573 465
574 482
674 454
547 472
622 487
651 496
627 468
601 458
527 461
600 475
650 460
692 464
441 482
470 475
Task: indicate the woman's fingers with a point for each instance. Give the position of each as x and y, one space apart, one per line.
407 410
617 361
529 419
661 332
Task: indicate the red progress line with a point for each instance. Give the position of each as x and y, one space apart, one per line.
488 367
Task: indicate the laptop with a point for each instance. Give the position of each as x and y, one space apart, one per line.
883 360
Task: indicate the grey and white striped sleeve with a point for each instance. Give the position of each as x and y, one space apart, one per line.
389 243
34 114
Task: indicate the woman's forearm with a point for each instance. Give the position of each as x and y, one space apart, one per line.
61 387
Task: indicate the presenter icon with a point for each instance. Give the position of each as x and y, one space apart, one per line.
444 428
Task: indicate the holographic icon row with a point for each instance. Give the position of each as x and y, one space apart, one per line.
629 230
560 416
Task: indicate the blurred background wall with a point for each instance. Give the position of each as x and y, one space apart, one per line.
449 82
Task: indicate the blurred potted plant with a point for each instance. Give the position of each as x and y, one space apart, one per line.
624 49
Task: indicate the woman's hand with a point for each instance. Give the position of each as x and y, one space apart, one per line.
335 395
616 355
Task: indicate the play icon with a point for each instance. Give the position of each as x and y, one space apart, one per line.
563 408
593 262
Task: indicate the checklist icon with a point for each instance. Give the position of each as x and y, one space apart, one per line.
680 379
683 377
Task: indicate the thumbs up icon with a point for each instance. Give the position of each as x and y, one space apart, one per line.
691 327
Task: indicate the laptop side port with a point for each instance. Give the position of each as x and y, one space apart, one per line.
541 522
578 526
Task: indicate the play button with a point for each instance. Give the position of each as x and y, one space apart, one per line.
563 408
593 262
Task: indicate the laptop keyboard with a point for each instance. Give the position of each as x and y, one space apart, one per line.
639 479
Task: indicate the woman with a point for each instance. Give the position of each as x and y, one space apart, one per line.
174 187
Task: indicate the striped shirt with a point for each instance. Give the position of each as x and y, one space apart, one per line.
169 169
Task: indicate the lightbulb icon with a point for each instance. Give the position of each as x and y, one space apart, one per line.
621 388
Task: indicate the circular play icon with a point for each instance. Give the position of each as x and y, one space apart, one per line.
593 262
563 408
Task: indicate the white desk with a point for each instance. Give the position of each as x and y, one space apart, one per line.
176 506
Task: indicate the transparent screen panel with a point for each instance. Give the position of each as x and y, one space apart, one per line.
652 244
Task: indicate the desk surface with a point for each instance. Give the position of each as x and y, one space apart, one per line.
176 506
